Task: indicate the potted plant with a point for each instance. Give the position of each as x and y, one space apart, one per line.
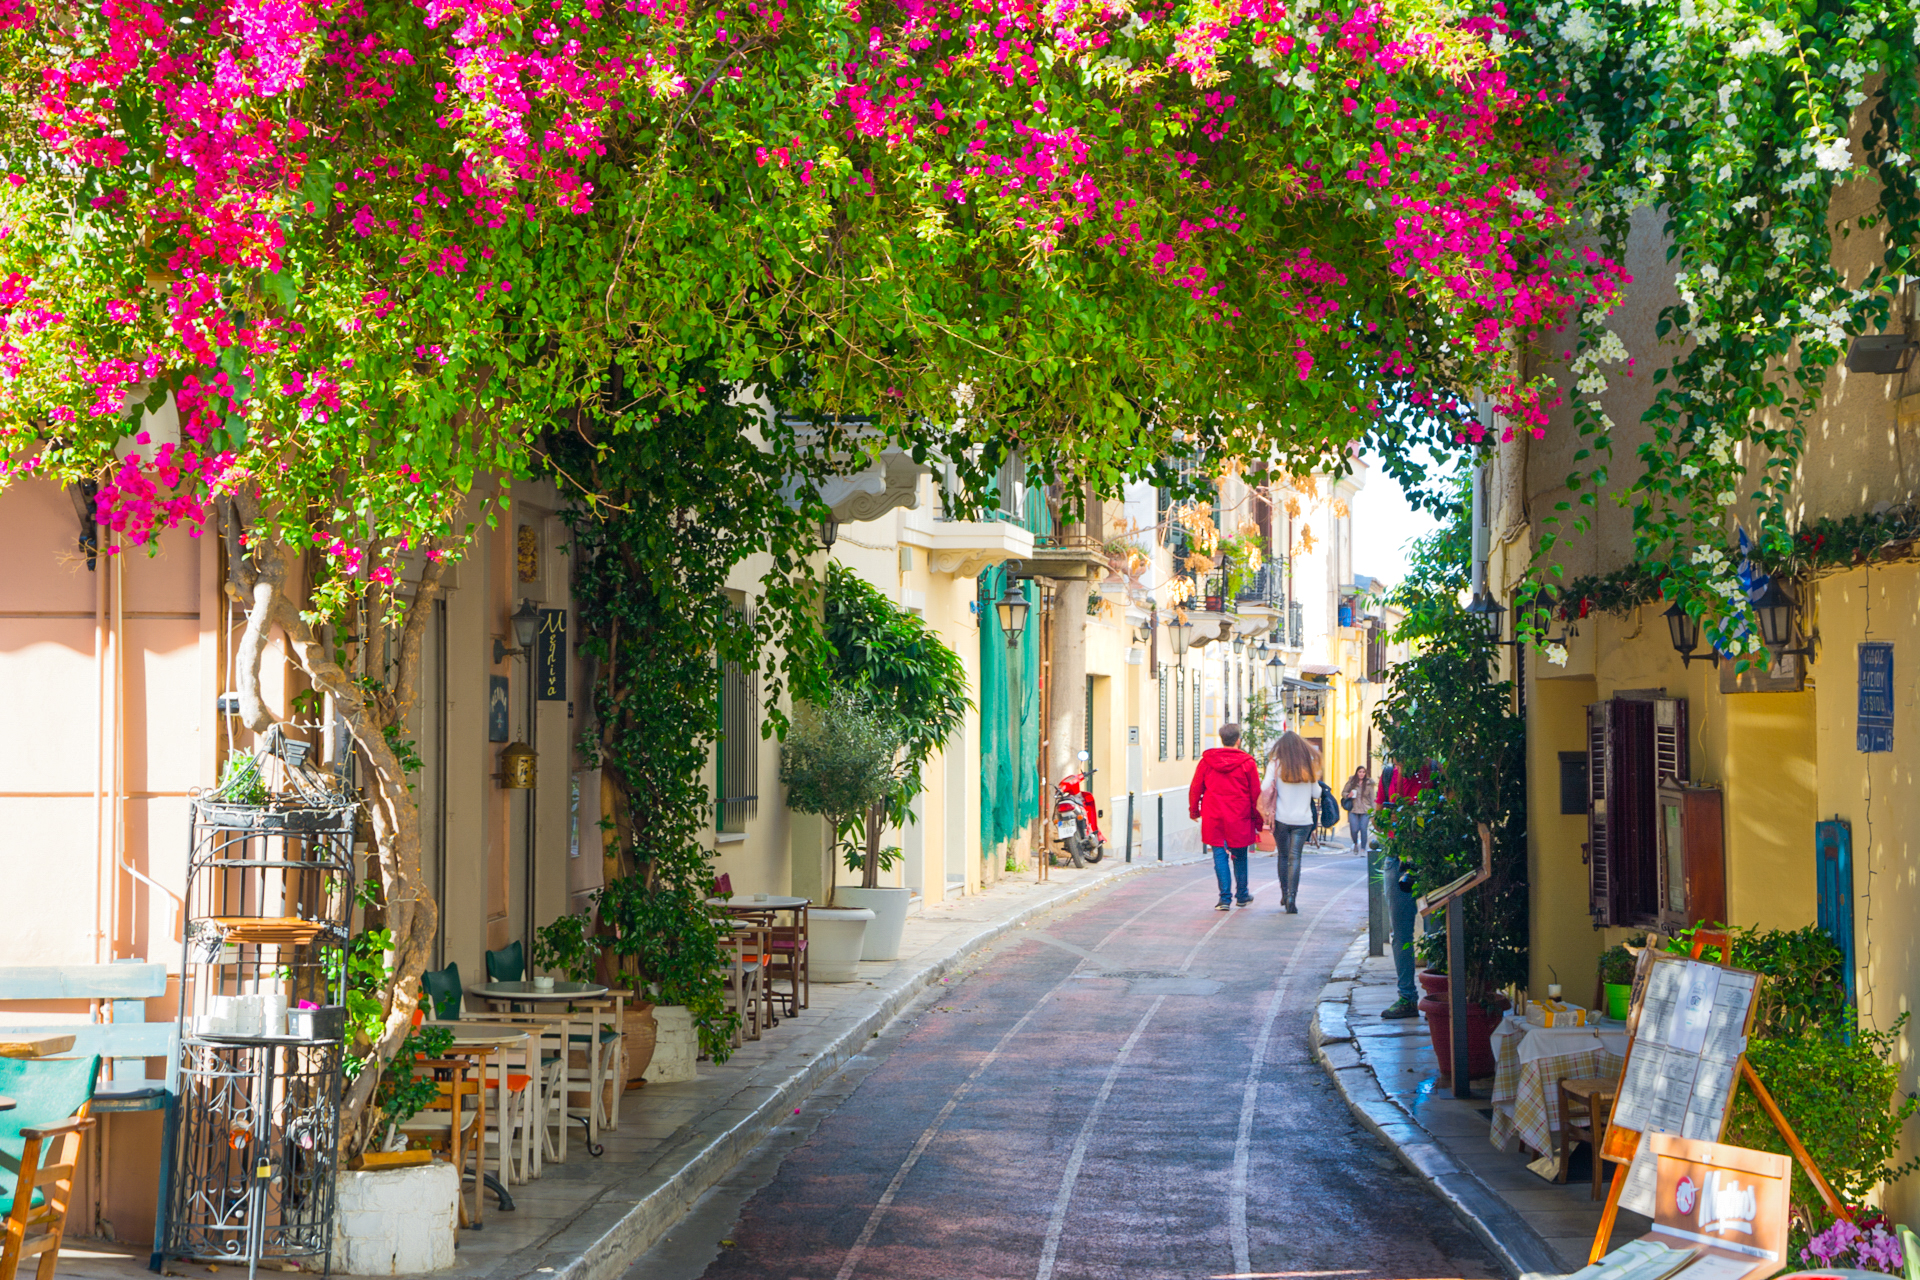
567 946
1616 978
839 761
915 688
659 938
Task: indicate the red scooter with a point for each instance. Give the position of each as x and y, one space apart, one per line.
1076 818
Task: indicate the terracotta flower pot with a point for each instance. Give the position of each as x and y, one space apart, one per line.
1480 1025
640 1032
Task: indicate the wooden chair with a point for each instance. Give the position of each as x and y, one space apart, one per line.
787 960
449 1126
747 944
39 1150
123 1040
1594 1098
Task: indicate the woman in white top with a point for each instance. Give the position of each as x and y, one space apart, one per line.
1288 794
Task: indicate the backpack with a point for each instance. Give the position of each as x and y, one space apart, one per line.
1329 811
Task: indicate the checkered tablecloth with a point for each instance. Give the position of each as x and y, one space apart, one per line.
1532 1062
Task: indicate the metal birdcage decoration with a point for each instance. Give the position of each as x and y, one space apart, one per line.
262 1013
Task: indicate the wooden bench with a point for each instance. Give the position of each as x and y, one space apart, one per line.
123 1036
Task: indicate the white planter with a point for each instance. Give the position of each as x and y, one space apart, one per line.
676 1046
889 907
835 938
395 1222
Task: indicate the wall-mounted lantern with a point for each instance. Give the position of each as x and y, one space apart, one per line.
1684 630
526 629
1012 607
517 770
1775 609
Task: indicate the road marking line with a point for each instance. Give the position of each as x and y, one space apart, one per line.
1237 1233
966 1086
1056 1225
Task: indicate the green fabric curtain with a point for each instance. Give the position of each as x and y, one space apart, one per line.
1009 756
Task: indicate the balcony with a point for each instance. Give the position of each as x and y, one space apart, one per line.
964 548
1065 554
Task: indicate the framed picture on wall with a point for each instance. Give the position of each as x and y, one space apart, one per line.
496 708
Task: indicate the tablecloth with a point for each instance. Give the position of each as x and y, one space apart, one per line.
1532 1062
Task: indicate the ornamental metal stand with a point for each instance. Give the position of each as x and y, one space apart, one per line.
262 1015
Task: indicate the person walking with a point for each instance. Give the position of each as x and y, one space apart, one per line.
1397 785
1357 799
1224 799
1289 794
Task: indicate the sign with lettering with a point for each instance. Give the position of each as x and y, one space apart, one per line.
550 657
1731 1199
1875 731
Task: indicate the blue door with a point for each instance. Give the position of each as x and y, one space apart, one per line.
1833 861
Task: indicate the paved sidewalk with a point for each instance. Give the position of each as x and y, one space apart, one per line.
1389 1077
589 1219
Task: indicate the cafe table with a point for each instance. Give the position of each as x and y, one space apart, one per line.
517 994
1532 1062
741 904
7 1104
20 1045
483 1041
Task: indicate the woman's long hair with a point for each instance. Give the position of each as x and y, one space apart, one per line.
1363 772
1298 760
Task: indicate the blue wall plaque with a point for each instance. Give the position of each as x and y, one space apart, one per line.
1876 696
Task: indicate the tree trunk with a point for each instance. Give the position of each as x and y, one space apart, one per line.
876 826
259 579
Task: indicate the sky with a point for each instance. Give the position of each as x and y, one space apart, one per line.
1383 525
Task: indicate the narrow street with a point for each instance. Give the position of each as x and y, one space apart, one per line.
1124 1091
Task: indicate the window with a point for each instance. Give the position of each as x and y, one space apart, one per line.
1161 677
1634 744
1573 782
737 753
1179 715
1199 743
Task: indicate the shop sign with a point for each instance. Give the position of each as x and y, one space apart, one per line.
1875 732
550 656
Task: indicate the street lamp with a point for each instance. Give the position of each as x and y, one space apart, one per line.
1239 644
1013 607
1775 609
1181 634
1684 630
526 629
1489 611
829 531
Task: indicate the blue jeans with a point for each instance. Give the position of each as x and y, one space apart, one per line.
1400 912
1220 854
1358 825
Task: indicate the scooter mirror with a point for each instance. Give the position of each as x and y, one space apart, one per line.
1085 756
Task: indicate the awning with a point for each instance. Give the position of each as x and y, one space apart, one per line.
1316 669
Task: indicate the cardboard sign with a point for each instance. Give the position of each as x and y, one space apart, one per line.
1731 1200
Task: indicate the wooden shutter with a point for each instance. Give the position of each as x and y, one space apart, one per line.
1670 740
1599 788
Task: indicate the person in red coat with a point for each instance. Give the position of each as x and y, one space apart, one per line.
1224 798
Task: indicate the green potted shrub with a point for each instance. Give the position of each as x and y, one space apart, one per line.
1616 979
568 946
839 761
905 676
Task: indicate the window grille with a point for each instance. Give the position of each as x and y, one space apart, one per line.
1179 716
736 755
1161 677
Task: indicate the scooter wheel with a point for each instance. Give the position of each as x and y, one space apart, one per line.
1094 853
1076 850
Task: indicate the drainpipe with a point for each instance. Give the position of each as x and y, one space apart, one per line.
1477 517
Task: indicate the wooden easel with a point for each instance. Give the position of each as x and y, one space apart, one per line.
1621 1143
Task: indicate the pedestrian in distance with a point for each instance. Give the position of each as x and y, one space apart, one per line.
1224 798
1357 799
1289 799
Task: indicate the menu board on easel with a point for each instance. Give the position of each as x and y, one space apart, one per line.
1688 1034
1686 1053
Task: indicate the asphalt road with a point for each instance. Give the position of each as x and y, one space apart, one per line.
1122 1092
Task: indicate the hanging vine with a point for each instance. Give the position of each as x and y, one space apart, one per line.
1734 118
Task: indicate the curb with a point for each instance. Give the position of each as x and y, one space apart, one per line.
608 1235
1519 1249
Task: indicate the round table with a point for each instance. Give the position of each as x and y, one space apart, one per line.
526 993
7 1104
766 902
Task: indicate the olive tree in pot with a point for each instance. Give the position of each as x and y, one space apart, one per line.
905 675
840 761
